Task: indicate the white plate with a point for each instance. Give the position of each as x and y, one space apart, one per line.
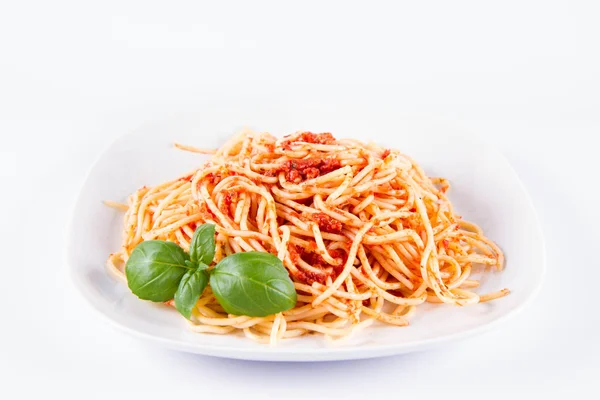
485 190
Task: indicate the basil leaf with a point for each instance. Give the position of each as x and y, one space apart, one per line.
202 247
155 268
190 288
253 283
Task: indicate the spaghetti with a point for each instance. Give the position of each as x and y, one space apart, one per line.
363 232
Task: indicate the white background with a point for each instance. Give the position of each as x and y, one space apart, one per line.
75 75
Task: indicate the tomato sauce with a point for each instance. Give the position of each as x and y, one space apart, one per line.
308 168
311 257
327 223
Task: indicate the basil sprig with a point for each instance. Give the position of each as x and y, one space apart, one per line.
253 283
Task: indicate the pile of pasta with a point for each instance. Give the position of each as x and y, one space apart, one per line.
365 234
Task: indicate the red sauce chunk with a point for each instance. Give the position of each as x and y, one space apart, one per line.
298 170
326 223
309 137
309 277
311 173
217 177
317 138
310 256
294 255
228 198
205 212
329 164
293 175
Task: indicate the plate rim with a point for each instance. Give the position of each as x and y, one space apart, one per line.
282 354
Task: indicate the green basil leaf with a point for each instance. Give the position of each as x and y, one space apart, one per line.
155 268
202 247
190 288
253 283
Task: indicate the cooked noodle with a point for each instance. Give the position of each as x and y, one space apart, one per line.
363 232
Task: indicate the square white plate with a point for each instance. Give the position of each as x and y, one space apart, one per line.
484 190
